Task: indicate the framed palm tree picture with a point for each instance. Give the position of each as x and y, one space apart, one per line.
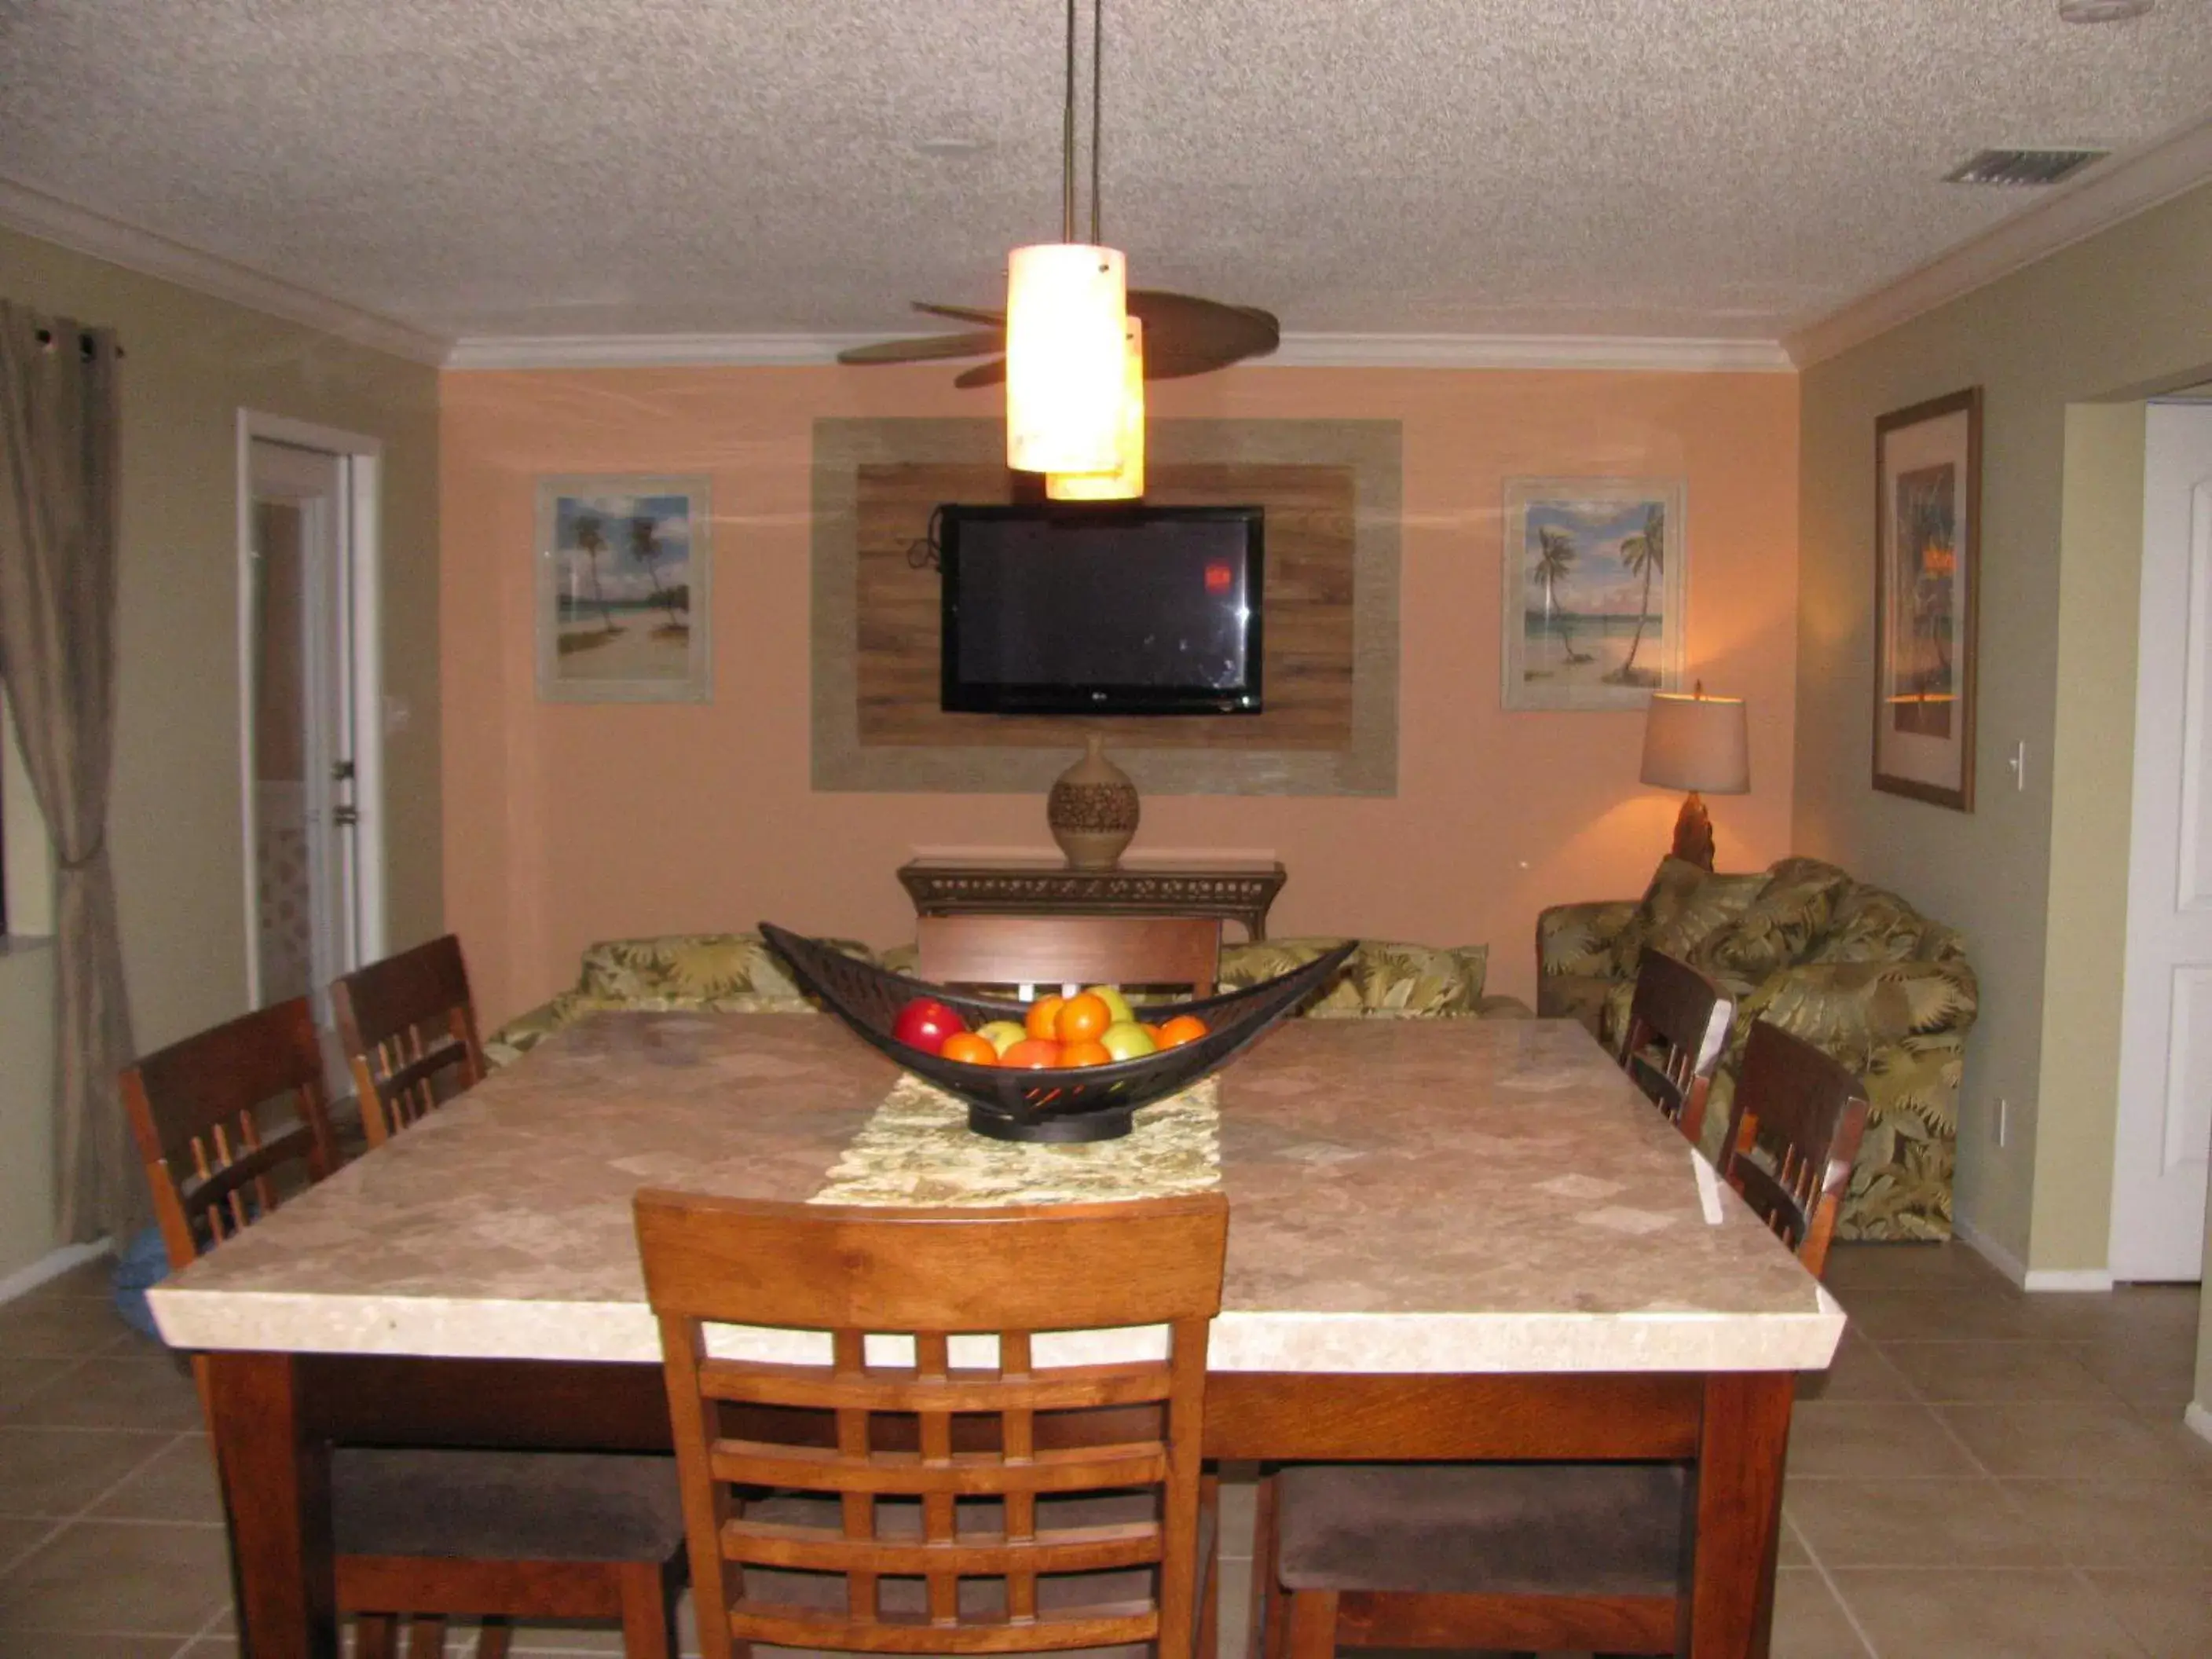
623 584
1595 575
1927 473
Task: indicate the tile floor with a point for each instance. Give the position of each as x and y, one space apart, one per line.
1981 1474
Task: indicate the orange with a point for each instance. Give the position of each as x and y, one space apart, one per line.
967 1046
1043 1018
1082 1017
1088 1052
1184 1028
1032 1055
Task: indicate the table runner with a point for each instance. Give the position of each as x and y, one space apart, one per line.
918 1150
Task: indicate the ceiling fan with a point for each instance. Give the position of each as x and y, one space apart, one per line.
1183 334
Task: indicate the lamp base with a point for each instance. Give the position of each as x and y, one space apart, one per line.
1693 834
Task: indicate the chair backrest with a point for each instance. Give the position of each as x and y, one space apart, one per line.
1677 1031
919 1446
200 1112
410 1032
1804 1113
1032 951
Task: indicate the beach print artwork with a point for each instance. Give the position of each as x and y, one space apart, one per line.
1928 471
623 604
1594 585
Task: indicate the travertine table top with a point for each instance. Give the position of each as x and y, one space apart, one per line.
1406 1195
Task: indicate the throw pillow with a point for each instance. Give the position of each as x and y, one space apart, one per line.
1684 903
1777 929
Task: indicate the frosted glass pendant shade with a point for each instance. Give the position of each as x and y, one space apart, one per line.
1066 303
1126 482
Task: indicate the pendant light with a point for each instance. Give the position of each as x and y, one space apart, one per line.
1067 343
1126 482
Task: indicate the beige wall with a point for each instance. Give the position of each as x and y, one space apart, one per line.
2110 319
190 363
567 823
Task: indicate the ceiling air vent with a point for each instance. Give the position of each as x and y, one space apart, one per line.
2022 166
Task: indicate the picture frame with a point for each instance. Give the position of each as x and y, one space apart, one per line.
1596 592
1927 597
625 566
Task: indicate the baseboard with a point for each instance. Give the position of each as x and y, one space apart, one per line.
52 1265
2195 1417
2072 1281
1990 1250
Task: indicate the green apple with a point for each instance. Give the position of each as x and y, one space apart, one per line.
1001 1034
1126 1039
1117 1006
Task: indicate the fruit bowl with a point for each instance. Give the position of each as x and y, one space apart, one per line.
1089 1103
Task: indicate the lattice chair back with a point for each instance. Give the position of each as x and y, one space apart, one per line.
409 1027
1795 1132
942 1464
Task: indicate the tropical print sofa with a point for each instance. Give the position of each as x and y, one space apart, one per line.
1852 968
737 973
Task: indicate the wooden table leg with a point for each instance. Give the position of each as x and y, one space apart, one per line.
276 1473
1741 1445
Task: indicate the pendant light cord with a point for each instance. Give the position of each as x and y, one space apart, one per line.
1067 139
1097 103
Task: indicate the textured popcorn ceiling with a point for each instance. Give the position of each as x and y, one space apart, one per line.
485 167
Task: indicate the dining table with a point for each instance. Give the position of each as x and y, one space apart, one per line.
1450 1239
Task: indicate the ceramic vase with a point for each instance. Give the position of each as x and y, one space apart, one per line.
1092 809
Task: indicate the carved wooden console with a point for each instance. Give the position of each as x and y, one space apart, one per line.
1234 892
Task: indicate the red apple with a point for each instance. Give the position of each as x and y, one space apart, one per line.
925 1023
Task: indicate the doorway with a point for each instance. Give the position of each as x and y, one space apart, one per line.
2163 1140
310 725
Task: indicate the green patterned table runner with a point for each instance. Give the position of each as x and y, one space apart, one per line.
918 1150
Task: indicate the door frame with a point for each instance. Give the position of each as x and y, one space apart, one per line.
361 479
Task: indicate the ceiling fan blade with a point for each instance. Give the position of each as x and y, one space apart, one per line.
1186 335
988 373
926 349
963 313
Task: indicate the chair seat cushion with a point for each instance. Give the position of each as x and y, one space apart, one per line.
1483 1528
506 1506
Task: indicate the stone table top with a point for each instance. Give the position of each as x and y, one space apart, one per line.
1405 1195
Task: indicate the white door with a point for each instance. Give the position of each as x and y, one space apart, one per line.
300 708
2165 1130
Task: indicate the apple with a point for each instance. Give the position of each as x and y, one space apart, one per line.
1117 1006
925 1023
1126 1039
1004 1034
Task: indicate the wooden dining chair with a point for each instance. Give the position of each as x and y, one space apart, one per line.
409 1028
1677 1031
228 1123
958 1506
1546 1556
1029 951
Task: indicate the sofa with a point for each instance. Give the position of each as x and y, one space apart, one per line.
1852 968
737 973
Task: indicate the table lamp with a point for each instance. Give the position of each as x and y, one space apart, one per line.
1698 743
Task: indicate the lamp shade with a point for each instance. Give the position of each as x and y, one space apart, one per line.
1697 743
1066 303
1126 482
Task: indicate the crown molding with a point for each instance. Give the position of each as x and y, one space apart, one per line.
51 219
1297 351
2069 214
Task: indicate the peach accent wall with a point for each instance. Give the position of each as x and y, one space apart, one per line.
567 823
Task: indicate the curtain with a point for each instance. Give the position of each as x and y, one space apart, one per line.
59 475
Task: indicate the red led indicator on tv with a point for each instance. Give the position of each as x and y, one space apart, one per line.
1217 577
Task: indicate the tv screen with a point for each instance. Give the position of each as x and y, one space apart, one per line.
1058 610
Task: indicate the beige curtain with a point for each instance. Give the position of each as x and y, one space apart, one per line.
59 459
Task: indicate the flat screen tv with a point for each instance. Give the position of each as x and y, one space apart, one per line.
1091 610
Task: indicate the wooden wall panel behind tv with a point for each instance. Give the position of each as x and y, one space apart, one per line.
1308 593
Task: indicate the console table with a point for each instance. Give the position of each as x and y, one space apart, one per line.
1232 891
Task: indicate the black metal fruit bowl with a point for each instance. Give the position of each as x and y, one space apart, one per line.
1091 1102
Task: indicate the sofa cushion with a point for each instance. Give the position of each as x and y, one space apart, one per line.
1384 979
696 968
1871 925
1682 905
1777 928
